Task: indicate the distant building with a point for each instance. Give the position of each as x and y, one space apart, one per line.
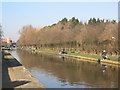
6 42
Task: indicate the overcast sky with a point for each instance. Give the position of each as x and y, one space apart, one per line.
17 14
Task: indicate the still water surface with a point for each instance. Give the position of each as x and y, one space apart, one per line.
57 72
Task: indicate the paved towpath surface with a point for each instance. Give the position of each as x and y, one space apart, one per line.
14 74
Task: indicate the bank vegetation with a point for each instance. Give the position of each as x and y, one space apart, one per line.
91 37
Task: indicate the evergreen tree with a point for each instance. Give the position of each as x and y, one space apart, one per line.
113 21
107 21
74 22
98 20
90 21
64 21
94 21
102 21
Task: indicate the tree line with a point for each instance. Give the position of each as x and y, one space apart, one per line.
91 37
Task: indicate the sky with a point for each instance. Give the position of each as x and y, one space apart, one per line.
15 15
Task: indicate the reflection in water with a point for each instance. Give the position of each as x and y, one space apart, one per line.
57 71
104 67
62 58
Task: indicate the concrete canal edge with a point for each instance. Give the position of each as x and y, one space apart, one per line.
19 76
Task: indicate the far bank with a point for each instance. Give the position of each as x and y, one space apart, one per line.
114 61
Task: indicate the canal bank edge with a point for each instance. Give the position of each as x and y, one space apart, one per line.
107 62
18 73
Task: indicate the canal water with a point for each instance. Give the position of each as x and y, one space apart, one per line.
54 71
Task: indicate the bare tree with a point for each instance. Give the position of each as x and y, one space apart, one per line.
91 38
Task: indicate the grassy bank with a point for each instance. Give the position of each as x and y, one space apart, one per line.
85 57
113 58
79 56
